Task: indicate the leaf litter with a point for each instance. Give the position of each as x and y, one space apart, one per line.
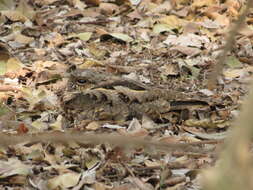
166 45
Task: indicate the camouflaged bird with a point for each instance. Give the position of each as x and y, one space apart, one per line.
94 95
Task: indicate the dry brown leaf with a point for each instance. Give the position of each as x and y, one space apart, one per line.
221 19
56 39
246 31
78 4
189 51
202 3
189 39
170 70
108 8
23 39
64 181
90 63
93 126
134 15
173 22
14 16
40 66
233 7
92 2
26 10
45 2
4 53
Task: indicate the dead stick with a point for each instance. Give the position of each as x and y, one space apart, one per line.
113 139
218 68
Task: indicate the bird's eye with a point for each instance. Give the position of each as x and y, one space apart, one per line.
81 81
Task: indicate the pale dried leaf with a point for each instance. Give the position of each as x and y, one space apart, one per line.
85 36
121 36
26 9
13 167
14 16
64 181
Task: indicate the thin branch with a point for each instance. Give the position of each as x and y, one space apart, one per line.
218 68
113 139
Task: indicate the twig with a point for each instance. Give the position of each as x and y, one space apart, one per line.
218 68
113 139
236 158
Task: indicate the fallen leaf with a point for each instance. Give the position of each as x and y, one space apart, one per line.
79 4
13 65
140 183
43 98
55 39
85 36
202 3
194 71
14 16
134 15
208 136
6 113
118 36
92 2
90 63
13 167
22 129
23 39
93 126
122 37
148 123
134 2
159 28
97 52
233 62
134 126
190 40
173 22
234 73
108 8
109 126
169 69
206 92
26 10
206 123
57 125
189 51
211 24
64 181
164 7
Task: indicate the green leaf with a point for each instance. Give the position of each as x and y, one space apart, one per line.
233 62
195 71
2 67
4 110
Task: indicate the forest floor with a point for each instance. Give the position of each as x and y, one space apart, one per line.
167 45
